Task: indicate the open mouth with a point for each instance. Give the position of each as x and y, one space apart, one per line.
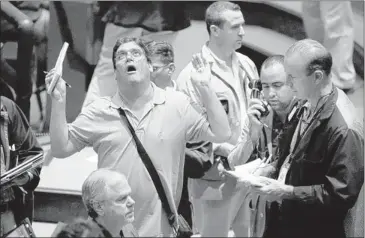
131 69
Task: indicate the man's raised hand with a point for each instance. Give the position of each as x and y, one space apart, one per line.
59 91
200 74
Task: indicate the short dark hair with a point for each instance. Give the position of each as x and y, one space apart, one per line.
271 61
138 41
323 63
213 14
161 49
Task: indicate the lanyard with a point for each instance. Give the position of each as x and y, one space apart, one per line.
287 162
264 149
294 142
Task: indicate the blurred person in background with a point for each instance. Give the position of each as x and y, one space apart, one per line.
25 22
162 62
148 20
79 228
17 145
331 23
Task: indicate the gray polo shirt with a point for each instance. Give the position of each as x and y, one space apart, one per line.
170 121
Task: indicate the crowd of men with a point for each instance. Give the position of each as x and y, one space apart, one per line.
275 154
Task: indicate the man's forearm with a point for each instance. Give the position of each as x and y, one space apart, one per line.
217 117
245 146
241 152
58 128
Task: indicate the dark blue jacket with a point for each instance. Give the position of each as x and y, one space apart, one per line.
327 172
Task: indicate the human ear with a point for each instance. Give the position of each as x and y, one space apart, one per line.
318 76
214 30
98 208
171 68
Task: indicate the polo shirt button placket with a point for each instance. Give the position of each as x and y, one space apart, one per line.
140 132
152 211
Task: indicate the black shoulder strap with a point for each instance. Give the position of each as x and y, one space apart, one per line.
105 232
151 170
286 134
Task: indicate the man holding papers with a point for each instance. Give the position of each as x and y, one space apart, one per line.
17 145
255 152
318 179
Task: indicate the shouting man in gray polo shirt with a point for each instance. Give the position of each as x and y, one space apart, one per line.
164 121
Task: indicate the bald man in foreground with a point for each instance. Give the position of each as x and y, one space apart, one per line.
320 176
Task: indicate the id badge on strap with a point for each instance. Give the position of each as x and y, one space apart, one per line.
284 169
286 165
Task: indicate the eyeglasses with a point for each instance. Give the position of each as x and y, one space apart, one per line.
122 55
157 68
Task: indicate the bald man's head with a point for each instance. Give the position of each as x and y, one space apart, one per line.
313 53
308 66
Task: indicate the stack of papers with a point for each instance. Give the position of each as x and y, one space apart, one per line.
245 174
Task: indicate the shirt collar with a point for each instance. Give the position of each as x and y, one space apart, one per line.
173 86
213 58
159 97
297 108
328 104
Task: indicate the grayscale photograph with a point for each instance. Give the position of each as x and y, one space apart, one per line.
182 119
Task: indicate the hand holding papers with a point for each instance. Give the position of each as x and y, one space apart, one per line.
271 189
274 190
247 174
245 178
